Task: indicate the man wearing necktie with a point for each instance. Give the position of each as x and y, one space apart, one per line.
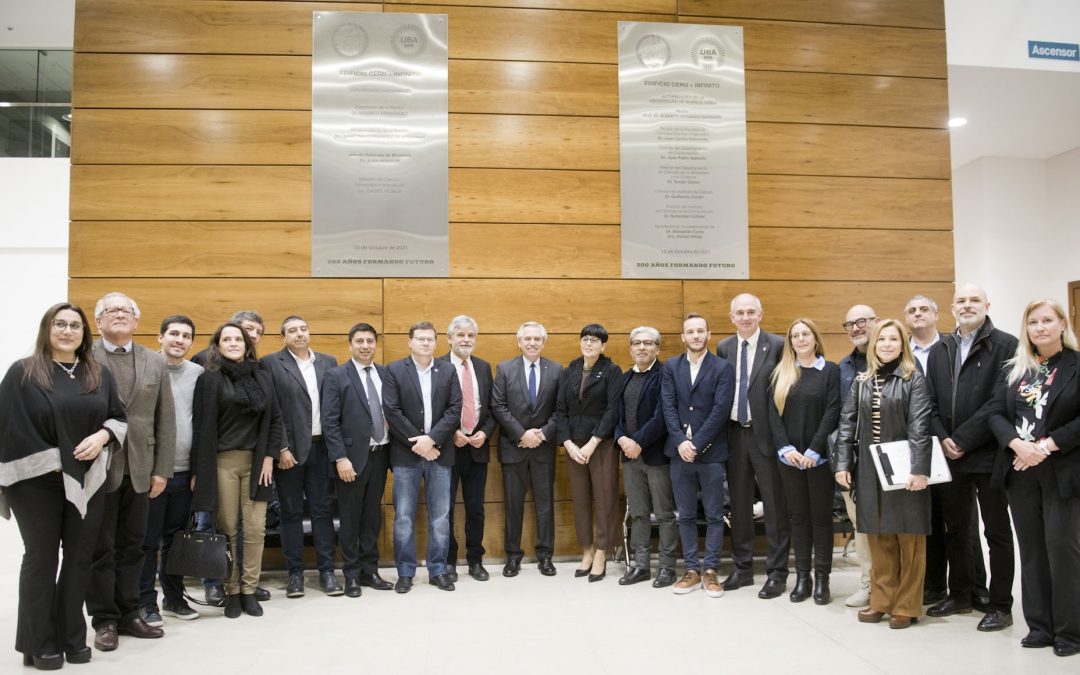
523 402
471 443
754 353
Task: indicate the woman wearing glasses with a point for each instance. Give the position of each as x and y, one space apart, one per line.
889 402
237 438
586 412
61 409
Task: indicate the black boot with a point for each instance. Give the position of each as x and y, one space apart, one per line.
821 588
802 586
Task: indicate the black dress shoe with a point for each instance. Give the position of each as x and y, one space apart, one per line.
597 577
773 588
995 619
105 637
45 661
352 588
329 584
373 580
635 575
980 600
233 608
79 655
250 604
261 594
1059 650
511 568
403 585
547 568
578 573
215 596
140 629
665 578
451 574
802 589
948 608
1035 641
477 571
296 586
931 597
442 581
738 579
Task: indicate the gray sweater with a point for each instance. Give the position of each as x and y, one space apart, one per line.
182 378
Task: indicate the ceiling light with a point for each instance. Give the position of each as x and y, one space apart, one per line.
957 122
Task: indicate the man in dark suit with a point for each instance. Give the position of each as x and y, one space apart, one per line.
471 443
696 392
303 469
753 354
523 402
138 472
357 442
422 403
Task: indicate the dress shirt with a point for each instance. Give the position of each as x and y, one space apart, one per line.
538 369
425 390
923 353
360 370
459 364
751 350
695 366
110 347
639 370
307 370
965 343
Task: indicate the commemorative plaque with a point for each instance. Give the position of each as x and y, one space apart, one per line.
379 178
682 135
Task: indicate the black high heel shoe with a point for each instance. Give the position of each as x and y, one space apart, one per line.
597 577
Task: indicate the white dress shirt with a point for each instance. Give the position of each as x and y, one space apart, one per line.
307 371
750 352
360 370
459 365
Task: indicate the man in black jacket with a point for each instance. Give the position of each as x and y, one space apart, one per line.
962 369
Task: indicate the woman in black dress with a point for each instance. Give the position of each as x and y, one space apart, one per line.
60 411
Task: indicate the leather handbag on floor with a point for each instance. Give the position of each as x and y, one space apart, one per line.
200 554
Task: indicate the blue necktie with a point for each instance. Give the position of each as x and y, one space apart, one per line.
743 411
532 384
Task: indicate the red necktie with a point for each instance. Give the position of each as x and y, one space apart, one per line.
468 399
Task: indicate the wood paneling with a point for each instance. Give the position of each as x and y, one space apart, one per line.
656 6
530 196
512 87
534 142
910 13
492 250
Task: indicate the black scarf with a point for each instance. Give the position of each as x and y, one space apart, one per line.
248 393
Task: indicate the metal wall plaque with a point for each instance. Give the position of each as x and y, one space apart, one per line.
682 135
379 178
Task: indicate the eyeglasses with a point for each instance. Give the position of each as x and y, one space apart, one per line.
642 343
61 325
119 311
423 339
590 340
858 323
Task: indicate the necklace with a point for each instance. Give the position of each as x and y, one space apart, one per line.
70 371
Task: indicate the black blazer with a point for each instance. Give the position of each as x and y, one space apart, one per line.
652 429
346 417
595 412
293 398
1062 424
485 422
769 349
515 414
403 405
705 407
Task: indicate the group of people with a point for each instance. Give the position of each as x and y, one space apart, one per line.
109 449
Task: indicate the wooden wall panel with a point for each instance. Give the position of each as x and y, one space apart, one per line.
909 13
510 87
657 6
531 196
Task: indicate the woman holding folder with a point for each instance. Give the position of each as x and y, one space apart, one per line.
889 402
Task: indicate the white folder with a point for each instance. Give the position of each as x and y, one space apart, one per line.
893 464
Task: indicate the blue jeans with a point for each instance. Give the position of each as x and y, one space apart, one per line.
687 478
406 493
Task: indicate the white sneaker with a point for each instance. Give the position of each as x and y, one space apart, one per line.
860 598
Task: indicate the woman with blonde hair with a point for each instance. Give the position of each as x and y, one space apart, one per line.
804 409
1036 419
889 402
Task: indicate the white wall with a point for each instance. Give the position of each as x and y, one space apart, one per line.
33 247
995 33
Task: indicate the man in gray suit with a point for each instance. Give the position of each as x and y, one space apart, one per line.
303 470
138 472
523 403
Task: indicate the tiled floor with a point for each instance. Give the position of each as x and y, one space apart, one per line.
535 624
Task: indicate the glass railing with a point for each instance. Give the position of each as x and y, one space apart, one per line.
35 103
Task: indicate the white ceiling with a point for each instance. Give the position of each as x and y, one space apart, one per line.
37 24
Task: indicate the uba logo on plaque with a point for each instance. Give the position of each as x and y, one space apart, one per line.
707 53
408 41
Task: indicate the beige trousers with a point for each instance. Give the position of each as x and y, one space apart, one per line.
234 502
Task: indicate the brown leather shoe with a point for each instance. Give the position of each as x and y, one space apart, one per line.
896 621
140 629
711 583
105 637
870 615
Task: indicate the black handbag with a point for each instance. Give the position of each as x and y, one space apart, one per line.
200 554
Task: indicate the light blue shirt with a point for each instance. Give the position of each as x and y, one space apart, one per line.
425 390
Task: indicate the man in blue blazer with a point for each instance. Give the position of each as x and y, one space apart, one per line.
302 471
422 403
357 442
696 391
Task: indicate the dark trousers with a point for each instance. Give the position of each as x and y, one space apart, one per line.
517 478
169 513
473 478
688 480
648 491
311 480
50 606
594 488
937 553
963 546
360 512
1048 531
745 463
113 595
809 496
